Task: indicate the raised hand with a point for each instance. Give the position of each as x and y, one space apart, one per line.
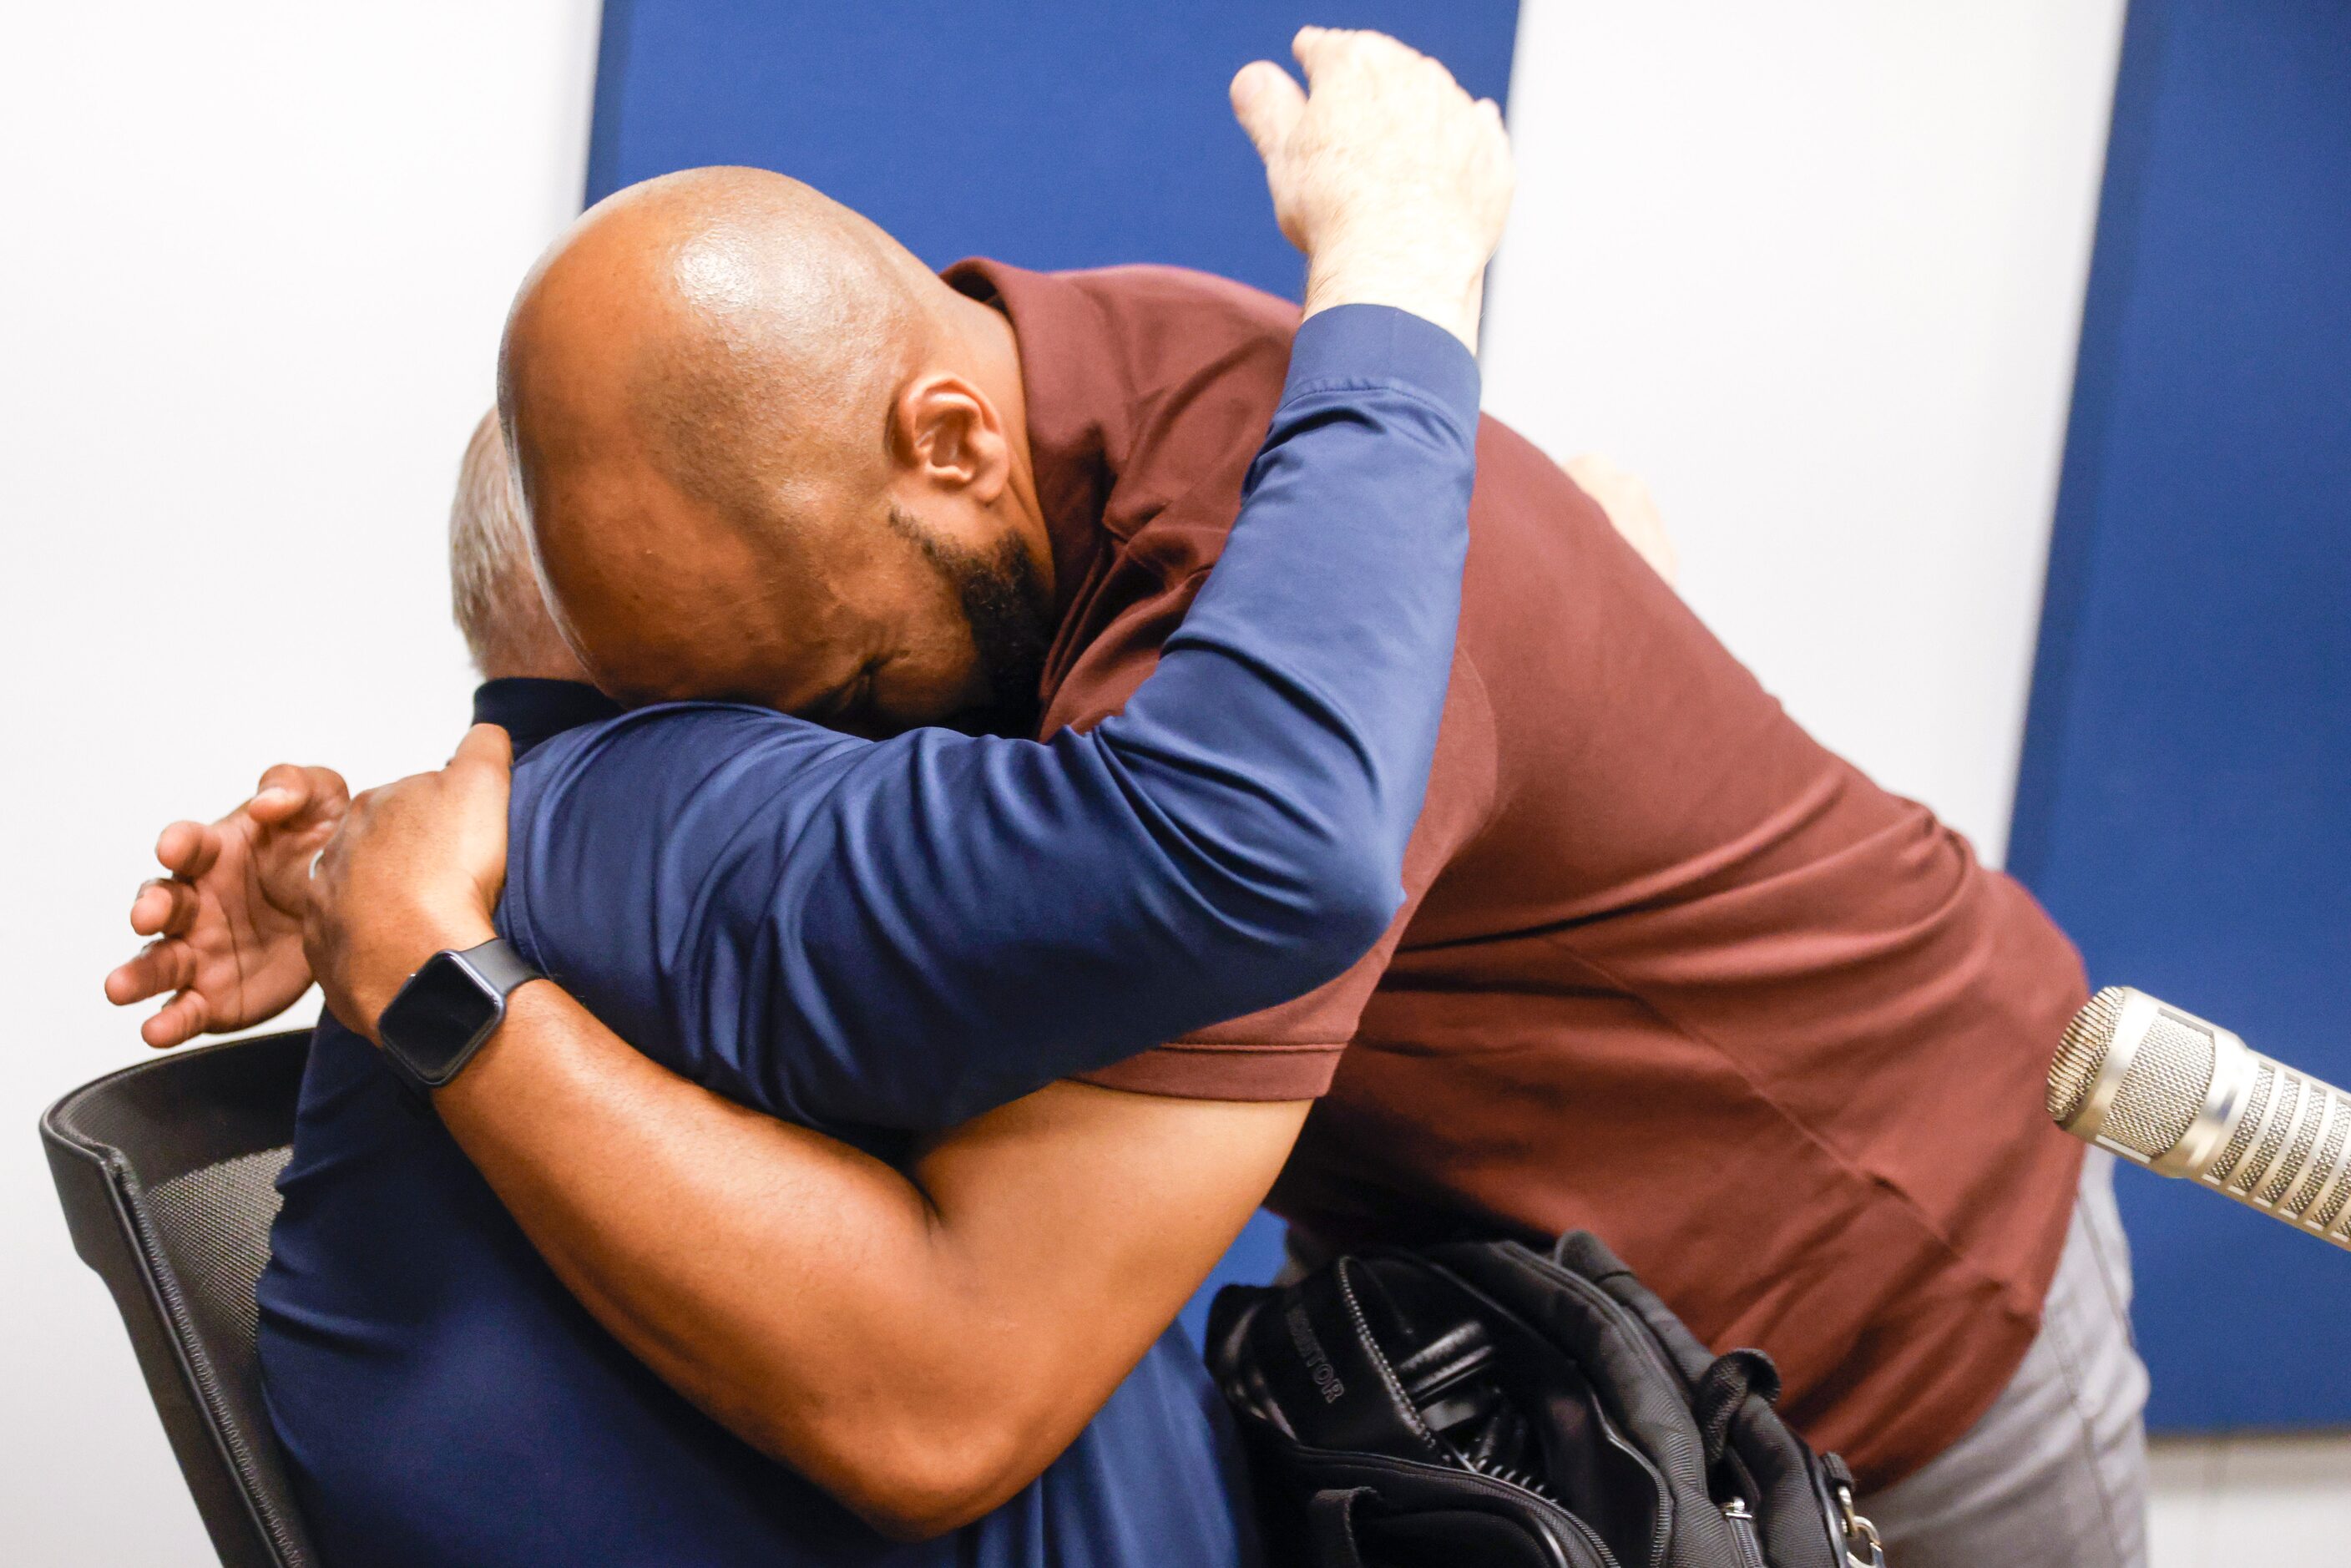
1384 173
227 915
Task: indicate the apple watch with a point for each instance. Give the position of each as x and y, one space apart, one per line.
447 1009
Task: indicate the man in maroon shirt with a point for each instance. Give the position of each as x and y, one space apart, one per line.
1668 968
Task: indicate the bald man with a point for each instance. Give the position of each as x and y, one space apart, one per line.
1666 968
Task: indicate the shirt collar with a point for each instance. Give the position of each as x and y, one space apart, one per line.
533 709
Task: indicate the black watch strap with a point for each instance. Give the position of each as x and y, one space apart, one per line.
497 963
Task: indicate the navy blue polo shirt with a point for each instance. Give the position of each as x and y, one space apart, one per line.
881 939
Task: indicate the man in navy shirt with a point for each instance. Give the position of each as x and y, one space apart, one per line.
935 925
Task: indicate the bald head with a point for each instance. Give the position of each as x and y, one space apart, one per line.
758 439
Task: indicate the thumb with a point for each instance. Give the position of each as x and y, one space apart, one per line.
487 744
1268 102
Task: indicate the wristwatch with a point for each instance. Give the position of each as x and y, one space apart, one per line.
447 1009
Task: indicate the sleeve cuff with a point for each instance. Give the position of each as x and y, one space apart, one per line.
1186 1072
1379 343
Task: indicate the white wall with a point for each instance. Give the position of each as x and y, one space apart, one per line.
1815 268
251 280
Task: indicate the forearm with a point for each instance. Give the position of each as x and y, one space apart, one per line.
658 1202
920 1353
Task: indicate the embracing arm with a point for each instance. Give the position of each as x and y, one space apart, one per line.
921 1344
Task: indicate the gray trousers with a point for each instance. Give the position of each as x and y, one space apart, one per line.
2055 1475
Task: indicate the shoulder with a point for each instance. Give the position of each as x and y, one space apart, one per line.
637 806
1167 331
1199 298
640 763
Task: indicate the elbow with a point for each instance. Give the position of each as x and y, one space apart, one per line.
918 1485
1352 896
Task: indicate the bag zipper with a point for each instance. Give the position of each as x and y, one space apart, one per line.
1482 1481
1511 1487
1744 1530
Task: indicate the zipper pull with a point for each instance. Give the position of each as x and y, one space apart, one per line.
1743 1531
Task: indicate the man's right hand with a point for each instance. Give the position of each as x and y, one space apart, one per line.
1391 180
226 917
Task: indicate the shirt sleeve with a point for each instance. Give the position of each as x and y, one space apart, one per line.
902 934
1290 1051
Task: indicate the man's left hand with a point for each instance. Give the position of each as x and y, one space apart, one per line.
416 867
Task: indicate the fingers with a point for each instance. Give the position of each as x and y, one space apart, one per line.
164 965
164 907
483 761
188 848
280 795
178 1021
1326 51
1623 496
1594 471
286 793
1266 102
1321 51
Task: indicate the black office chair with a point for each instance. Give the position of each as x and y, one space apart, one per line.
166 1172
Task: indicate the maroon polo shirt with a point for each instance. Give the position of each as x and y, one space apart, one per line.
1668 969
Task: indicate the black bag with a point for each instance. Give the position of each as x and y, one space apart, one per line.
1480 1404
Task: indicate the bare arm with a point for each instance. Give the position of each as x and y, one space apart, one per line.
921 1344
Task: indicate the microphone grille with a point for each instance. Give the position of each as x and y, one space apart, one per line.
2163 1092
2082 1052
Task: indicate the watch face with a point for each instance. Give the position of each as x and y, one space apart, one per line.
438 1017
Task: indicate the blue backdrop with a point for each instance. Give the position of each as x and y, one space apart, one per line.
1050 134
1047 133
2185 802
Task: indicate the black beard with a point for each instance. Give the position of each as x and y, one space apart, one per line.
1011 616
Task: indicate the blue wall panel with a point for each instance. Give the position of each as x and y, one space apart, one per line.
1052 133
2185 802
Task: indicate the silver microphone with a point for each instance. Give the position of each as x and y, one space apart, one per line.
2187 1098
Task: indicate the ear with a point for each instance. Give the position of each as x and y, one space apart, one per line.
945 434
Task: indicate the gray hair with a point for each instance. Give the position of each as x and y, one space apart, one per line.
493 593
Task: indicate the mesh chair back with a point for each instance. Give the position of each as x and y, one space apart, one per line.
166 1171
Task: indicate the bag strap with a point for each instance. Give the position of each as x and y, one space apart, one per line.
1330 1525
